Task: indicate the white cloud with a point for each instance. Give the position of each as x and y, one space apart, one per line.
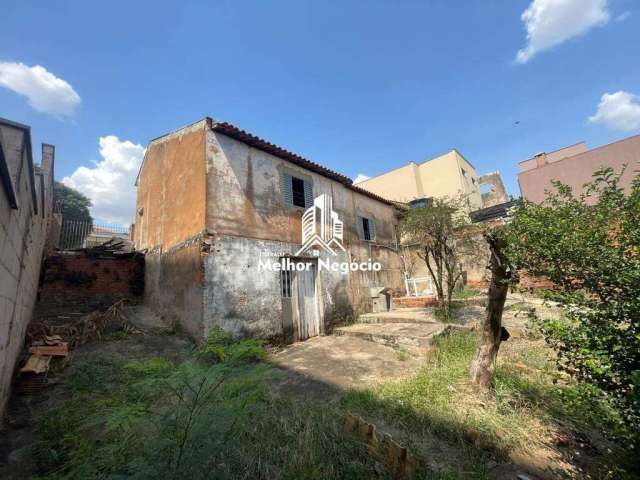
361 178
552 22
110 184
619 111
46 92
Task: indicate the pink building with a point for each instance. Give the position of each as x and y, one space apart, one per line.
574 165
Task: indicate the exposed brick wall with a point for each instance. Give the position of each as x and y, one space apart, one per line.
76 283
414 302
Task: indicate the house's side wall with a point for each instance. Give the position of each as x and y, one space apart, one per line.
170 223
577 170
470 182
22 236
249 221
400 185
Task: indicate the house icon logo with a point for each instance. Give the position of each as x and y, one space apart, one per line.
321 227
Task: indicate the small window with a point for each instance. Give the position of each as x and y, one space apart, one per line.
285 283
297 191
366 229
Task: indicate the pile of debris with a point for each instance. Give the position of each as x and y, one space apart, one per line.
49 344
114 248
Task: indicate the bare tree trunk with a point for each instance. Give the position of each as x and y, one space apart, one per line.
492 331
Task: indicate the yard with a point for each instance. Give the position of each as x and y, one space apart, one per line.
155 406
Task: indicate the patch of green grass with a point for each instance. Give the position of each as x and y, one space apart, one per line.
521 410
216 416
466 292
208 417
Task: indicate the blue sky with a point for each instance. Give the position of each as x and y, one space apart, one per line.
361 87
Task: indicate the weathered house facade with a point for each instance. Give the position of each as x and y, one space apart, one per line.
217 207
26 218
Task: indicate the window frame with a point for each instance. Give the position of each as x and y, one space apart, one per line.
371 227
287 177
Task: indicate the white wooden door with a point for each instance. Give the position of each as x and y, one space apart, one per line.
308 325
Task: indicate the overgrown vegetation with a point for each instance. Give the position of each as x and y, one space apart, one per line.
589 246
436 234
217 414
211 416
528 405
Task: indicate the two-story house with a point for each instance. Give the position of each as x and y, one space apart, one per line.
248 236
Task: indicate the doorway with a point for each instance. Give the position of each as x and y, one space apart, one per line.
300 300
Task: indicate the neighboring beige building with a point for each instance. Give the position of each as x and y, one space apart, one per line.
574 165
449 175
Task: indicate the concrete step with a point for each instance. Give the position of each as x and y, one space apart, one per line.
401 336
401 315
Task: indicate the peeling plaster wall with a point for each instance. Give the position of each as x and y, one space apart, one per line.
174 285
247 216
205 243
170 206
246 301
170 222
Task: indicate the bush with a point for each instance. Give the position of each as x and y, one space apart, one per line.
220 347
589 246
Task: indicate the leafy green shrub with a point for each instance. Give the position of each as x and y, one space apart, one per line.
220 347
155 366
589 246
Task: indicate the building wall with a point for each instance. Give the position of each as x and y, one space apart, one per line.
552 157
170 224
439 177
23 231
578 169
170 205
75 282
401 185
248 219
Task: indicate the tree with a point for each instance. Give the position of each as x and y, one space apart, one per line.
493 333
73 204
589 247
437 232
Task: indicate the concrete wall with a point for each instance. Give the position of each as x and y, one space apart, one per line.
248 219
170 224
23 231
438 177
170 205
552 157
578 169
174 281
497 193
402 184
209 206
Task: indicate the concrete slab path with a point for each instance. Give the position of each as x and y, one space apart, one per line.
342 362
